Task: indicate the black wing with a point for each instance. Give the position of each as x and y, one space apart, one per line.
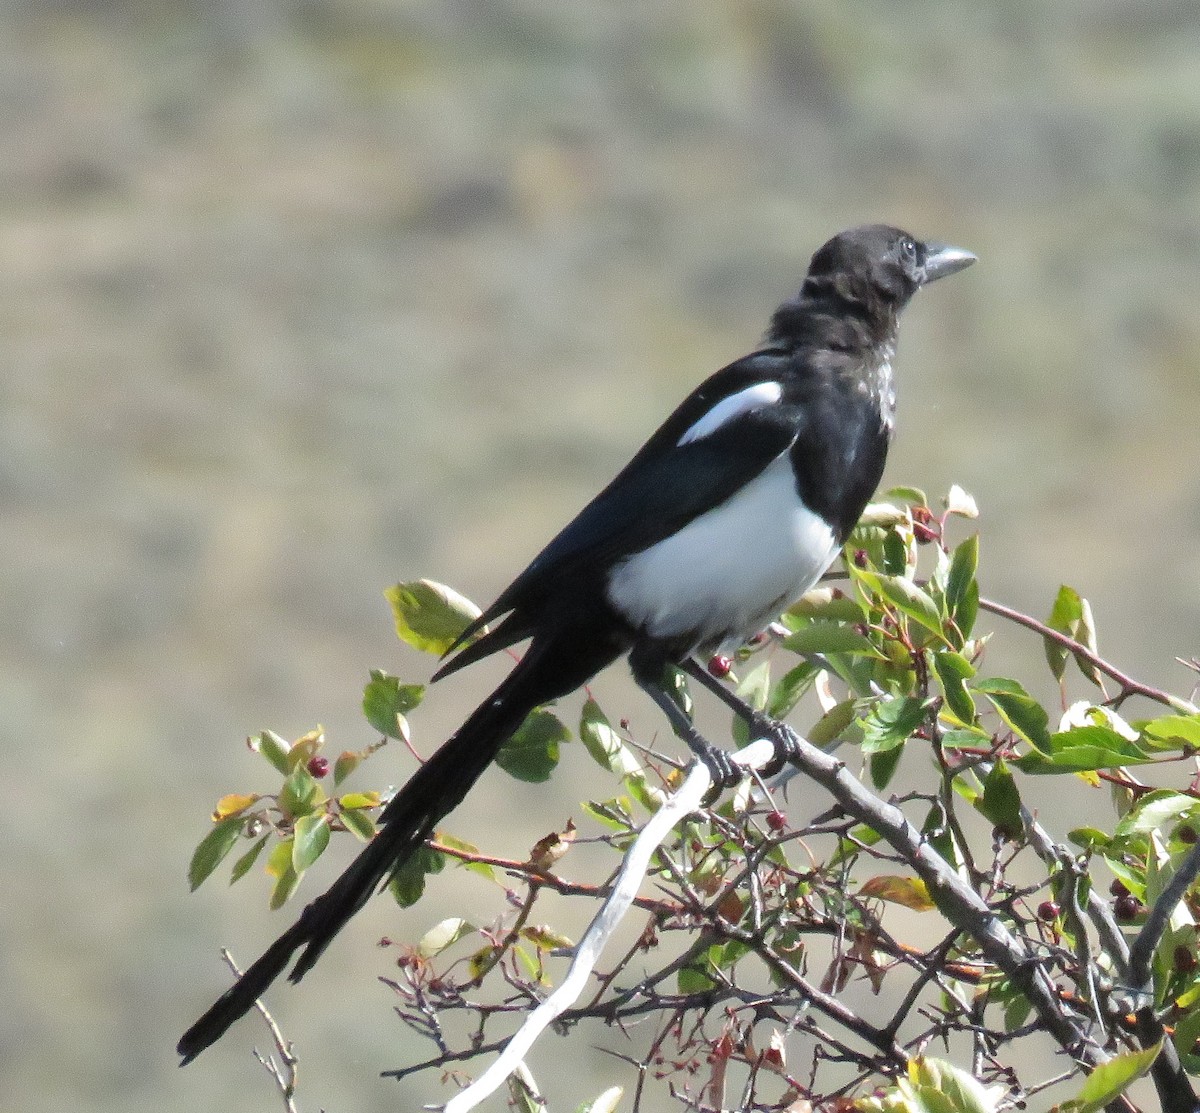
665 486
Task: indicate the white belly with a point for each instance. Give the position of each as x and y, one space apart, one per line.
730 571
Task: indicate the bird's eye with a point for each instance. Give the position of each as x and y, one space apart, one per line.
908 250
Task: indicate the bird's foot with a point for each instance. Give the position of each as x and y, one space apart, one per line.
725 772
785 740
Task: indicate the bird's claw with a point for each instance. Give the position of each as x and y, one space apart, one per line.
782 737
725 772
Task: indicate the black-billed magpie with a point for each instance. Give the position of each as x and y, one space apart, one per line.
732 510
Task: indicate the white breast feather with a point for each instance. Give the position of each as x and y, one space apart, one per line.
730 571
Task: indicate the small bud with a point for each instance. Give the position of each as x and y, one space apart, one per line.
924 534
860 558
776 820
318 767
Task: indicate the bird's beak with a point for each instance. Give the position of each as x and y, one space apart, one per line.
941 259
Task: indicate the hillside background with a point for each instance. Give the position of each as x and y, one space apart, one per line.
299 299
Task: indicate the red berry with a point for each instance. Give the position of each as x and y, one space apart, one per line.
1118 889
1127 907
720 666
776 820
1186 833
1048 911
318 767
1185 959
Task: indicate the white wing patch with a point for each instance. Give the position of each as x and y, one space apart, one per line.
753 397
730 571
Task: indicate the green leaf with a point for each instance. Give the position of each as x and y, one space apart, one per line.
274 749
754 686
825 603
962 590
829 637
696 975
1016 1011
301 794
1155 811
309 841
789 688
1179 730
1064 616
914 496
1109 1080
531 754
386 702
1091 839
1019 710
212 850
430 616
279 866
1084 749
1000 803
347 762
454 842
941 1087
353 800
407 883
1071 615
605 745
444 934
242 866
358 823
608 750
910 599
895 554
883 766
830 726
953 670
545 938
1187 1032
891 723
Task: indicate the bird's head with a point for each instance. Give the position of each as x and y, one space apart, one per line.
881 264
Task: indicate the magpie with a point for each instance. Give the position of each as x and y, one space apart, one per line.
732 510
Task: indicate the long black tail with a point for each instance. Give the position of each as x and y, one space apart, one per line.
553 666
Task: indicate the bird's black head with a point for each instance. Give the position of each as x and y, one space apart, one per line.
879 263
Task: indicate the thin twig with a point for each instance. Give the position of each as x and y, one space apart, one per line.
1129 686
284 1072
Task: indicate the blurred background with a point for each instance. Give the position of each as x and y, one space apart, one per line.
303 298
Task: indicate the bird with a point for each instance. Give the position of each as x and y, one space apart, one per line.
732 510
